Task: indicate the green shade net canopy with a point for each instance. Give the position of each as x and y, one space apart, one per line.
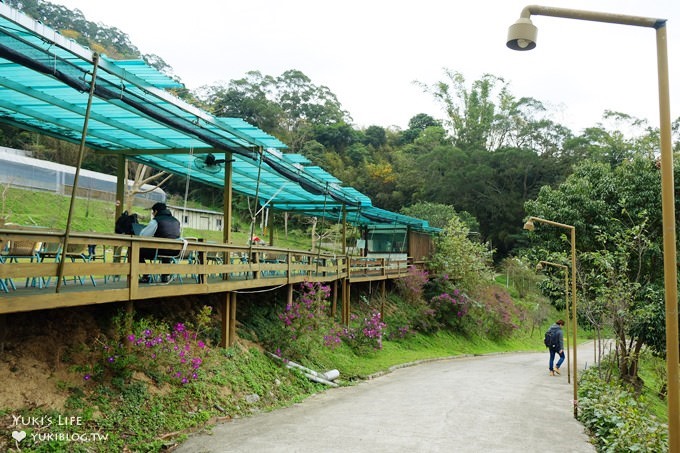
45 80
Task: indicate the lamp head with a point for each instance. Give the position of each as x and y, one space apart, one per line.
529 225
522 35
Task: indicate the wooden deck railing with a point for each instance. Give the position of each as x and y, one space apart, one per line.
28 274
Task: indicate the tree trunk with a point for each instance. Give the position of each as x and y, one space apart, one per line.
629 365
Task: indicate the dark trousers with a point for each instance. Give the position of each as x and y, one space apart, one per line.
150 254
552 359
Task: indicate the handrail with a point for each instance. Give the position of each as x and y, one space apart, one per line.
209 267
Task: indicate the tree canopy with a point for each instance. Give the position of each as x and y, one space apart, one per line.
616 212
486 153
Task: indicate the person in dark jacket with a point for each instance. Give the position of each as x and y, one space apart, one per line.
163 225
556 348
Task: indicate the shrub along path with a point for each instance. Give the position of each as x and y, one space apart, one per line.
491 403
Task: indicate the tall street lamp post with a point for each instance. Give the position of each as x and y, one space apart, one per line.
539 267
522 36
529 225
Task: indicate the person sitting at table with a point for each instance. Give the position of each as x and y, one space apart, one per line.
163 225
255 240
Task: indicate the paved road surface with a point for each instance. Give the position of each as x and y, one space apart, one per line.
494 403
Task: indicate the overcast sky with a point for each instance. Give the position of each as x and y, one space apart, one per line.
369 52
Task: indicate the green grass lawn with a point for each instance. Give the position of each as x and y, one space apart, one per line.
422 347
50 210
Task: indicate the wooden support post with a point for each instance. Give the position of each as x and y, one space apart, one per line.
232 320
344 229
121 184
255 258
382 310
3 333
289 300
334 306
225 305
201 261
76 176
228 199
345 302
343 290
270 225
382 301
349 298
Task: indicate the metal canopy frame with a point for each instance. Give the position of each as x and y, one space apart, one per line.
45 80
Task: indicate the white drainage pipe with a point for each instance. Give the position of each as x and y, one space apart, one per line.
323 378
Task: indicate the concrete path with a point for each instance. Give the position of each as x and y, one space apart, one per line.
494 403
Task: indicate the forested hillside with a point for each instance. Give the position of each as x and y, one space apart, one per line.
487 154
477 171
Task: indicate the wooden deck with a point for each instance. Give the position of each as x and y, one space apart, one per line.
29 274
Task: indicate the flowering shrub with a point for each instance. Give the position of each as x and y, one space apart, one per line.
306 324
495 314
307 327
438 285
416 315
411 287
399 333
177 352
450 308
164 353
372 330
448 305
367 335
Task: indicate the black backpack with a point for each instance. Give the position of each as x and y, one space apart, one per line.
549 339
125 222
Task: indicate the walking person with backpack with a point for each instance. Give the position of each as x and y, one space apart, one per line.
554 341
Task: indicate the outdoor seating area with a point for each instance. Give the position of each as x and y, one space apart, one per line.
99 268
19 252
136 119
